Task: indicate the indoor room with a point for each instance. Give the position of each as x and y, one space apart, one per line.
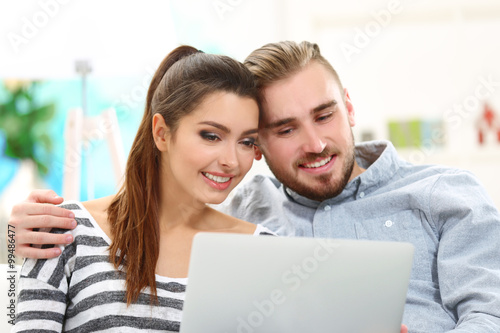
74 78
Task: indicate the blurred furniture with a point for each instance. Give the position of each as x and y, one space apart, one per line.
80 133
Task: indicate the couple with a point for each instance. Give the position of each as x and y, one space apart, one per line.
325 187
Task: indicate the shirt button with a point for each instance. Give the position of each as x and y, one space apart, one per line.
362 194
388 223
327 208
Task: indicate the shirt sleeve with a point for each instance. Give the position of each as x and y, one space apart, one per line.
261 201
263 231
468 258
43 289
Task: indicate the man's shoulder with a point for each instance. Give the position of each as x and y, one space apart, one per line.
433 172
259 184
254 194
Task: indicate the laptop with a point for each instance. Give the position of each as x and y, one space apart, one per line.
248 284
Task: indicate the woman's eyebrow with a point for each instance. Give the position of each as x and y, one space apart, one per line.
216 125
251 131
225 128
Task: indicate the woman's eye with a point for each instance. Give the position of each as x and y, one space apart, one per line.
248 143
209 136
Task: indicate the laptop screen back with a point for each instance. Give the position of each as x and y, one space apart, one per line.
245 284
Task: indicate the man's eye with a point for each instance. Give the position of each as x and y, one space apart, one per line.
324 117
285 131
209 136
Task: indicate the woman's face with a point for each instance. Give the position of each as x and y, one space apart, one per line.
212 149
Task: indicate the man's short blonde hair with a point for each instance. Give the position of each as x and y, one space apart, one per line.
276 61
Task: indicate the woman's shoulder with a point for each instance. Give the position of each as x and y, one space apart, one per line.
90 216
98 209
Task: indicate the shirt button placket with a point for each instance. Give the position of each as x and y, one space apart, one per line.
321 221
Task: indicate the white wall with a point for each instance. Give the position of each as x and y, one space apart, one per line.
43 38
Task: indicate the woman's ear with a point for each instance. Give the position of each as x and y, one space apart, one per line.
161 132
257 152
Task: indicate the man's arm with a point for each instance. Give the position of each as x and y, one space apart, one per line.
36 212
468 257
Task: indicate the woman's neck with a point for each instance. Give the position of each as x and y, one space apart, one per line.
176 214
177 209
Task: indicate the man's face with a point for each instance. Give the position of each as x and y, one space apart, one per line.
305 133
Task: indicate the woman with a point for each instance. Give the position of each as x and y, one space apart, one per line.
127 268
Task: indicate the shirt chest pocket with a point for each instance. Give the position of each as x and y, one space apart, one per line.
404 226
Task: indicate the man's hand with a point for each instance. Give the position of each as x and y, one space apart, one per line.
404 329
38 211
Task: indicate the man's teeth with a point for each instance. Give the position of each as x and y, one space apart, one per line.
318 164
216 179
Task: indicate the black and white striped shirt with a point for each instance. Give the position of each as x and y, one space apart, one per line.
81 291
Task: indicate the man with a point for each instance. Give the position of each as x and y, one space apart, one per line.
328 187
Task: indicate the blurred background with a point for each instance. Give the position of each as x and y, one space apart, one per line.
424 74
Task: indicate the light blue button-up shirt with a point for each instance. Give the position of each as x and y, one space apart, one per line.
446 214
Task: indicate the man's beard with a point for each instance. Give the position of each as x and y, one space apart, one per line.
328 187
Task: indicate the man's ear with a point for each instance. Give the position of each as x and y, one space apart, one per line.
350 108
161 132
257 152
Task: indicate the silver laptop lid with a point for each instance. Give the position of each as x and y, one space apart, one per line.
245 284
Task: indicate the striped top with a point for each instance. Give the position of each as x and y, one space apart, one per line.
81 291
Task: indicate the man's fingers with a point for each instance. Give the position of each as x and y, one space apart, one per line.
44 196
42 238
23 240
26 251
32 215
41 209
38 211
48 221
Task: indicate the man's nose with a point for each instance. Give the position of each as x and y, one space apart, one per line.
312 141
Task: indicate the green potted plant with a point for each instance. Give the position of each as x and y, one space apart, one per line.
23 121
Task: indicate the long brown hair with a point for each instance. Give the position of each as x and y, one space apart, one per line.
184 78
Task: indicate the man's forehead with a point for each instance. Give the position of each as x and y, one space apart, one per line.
311 81
285 101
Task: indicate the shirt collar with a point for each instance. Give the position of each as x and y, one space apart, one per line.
381 162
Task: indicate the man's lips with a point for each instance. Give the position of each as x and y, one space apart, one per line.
318 166
319 162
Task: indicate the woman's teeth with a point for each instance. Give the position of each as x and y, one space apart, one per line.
317 164
216 179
